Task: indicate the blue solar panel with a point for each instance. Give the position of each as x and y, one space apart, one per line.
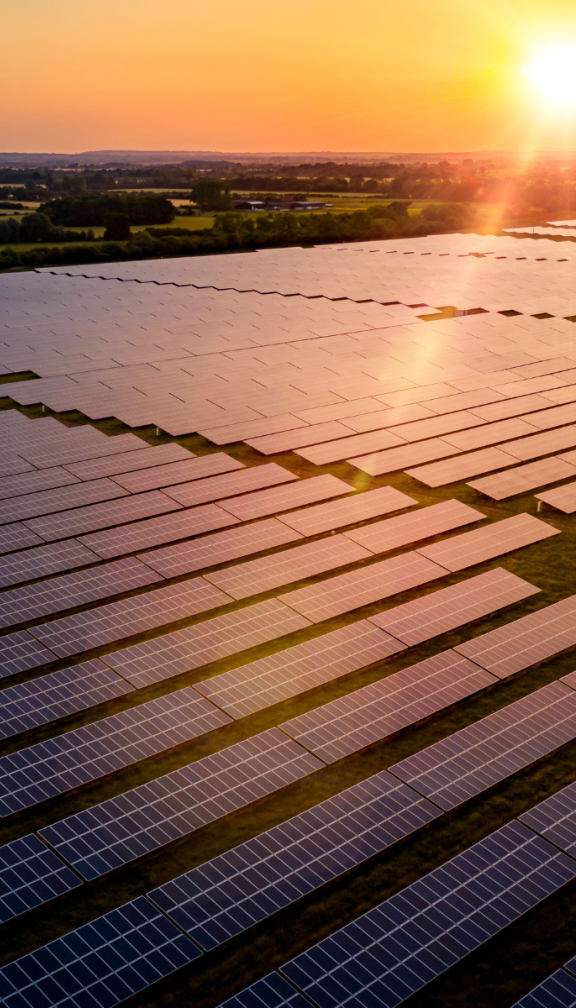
395 949
101 963
556 991
31 874
272 991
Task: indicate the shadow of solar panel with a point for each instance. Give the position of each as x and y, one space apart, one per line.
55 695
408 528
336 514
182 650
371 713
49 768
305 666
447 608
219 547
231 892
273 991
521 643
177 472
294 564
492 540
475 758
35 563
345 592
216 487
101 963
125 827
556 991
19 651
31 874
100 516
398 947
72 634
555 819
71 590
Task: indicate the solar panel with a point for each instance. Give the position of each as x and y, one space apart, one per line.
333 451
490 434
163 529
378 463
336 514
217 548
290 565
505 408
457 469
100 516
31 482
81 631
19 651
141 458
265 502
314 434
58 694
433 426
542 444
398 947
31 874
49 768
123 828
17 536
78 452
371 713
389 416
216 487
563 498
294 670
71 590
447 608
273 991
484 543
233 891
523 478
421 524
35 563
101 963
177 472
182 650
555 819
517 645
471 760
545 419
49 501
556 991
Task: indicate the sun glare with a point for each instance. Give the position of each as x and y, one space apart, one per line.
552 72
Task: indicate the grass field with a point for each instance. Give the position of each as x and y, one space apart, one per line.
493 976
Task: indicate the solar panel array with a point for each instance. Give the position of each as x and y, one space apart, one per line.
349 378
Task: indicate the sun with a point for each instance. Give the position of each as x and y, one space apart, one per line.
552 72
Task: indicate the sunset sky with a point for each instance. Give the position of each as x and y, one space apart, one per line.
309 75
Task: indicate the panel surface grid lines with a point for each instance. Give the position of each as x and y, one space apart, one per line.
182 650
177 472
464 764
255 879
101 516
463 466
303 667
58 694
241 482
556 991
273 991
523 478
371 713
421 524
337 514
101 963
290 565
125 827
525 641
447 608
395 949
490 541
72 634
345 592
110 465
49 768
265 502
71 590
31 874
29 505
563 498
555 819
43 560
19 651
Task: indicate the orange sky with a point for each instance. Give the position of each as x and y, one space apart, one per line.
373 75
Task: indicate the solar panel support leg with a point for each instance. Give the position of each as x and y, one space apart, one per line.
540 506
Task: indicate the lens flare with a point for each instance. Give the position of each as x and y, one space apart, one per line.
552 72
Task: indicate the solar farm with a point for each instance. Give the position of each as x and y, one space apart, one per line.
288 628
